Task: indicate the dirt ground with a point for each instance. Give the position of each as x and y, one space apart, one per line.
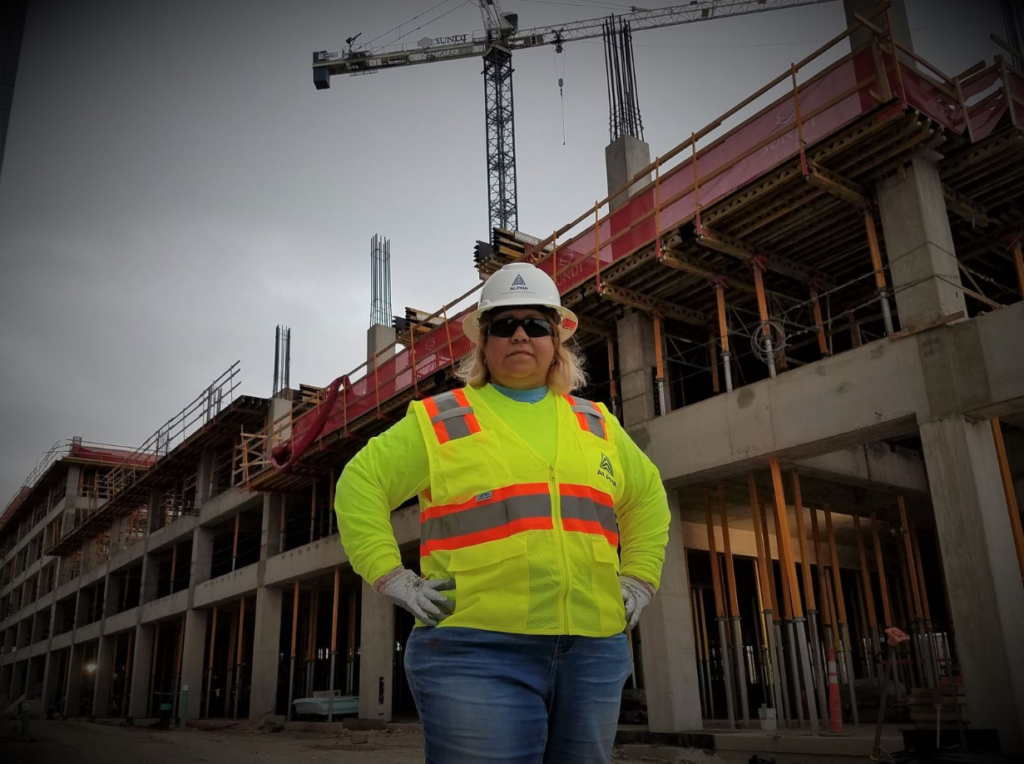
84 743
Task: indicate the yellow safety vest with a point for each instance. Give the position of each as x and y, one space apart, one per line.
532 546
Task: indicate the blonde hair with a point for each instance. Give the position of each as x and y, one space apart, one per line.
565 376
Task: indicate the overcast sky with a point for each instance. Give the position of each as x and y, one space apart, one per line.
174 186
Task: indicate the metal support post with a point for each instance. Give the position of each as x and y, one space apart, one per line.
762 308
334 646
723 332
739 650
240 655
876 263
209 664
707 654
766 592
812 610
869 597
798 610
291 669
720 612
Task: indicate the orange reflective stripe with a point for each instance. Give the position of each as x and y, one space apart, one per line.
483 499
588 510
589 416
451 416
439 429
492 534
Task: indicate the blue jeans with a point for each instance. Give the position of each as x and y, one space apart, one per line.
486 696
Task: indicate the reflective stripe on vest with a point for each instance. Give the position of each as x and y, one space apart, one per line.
488 516
451 415
588 510
589 416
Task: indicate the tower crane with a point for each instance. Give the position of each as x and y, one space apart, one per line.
500 37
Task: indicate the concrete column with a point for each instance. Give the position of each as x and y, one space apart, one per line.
112 592
202 556
6 673
919 244
623 158
266 650
204 476
103 677
379 339
18 680
193 662
150 579
667 649
270 539
376 655
50 679
142 664
636 362
73 692
981 570
897 17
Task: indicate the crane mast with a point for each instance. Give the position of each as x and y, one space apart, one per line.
499 39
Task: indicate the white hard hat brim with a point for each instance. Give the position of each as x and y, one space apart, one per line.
471 323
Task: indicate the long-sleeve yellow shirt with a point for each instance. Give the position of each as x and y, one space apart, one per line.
393 467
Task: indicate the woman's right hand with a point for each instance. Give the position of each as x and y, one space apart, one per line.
420 596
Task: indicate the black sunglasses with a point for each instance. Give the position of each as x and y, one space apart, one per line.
533 326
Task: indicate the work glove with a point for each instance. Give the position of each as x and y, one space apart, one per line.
420 596
636 595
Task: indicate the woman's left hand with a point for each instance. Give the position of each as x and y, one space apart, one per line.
636 595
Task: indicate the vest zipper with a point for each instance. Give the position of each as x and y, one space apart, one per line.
563 564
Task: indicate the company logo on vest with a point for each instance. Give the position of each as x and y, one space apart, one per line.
606 471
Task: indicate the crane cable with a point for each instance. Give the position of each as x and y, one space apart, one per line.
561 81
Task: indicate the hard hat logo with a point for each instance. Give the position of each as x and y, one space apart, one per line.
507 288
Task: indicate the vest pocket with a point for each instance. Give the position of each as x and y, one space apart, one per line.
492 583
605 569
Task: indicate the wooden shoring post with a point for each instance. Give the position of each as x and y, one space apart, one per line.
284 519
152 671
447 334
350 645
762 309
291 670
209 664
790 592
812 609
701 662
716 386
819 566
716 580
777 611
723 332
819 323
906 615
869 595
658 254
126 694
738 646
708 663
334 646
597 245
179 656
659 361
239 655
613 386
913 592
766 592
312 513
174 564
883 583
839 611
234 542
412 357
876 264
1008 492
1018 262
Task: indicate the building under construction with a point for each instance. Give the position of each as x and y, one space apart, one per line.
809 314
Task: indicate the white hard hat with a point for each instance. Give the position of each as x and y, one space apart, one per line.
519 285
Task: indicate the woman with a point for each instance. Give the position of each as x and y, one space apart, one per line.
525 494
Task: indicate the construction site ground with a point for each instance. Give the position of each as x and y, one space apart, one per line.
99 743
